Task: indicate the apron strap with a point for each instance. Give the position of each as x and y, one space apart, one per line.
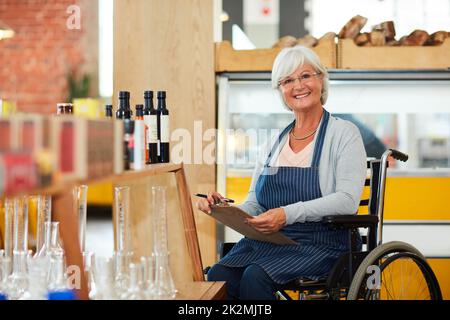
319 141
277 143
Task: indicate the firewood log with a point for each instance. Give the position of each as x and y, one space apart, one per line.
362 38
377 38
415 38
437 38
307 41
387 27
352 27
328 36
285 42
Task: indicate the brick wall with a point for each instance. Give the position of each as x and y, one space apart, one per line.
35 63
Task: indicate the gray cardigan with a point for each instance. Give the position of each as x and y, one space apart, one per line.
342 171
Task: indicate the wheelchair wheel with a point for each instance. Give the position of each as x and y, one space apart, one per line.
400 273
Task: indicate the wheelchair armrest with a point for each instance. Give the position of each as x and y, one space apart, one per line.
351 221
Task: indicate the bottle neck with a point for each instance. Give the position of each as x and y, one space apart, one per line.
124 111
161 103
148 106
108 112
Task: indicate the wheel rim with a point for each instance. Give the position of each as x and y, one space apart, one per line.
402 277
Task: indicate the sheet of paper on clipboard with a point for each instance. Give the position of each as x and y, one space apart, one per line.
234 218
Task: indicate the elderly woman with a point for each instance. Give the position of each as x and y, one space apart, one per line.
315 167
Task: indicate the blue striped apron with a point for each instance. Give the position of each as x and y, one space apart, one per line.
318 247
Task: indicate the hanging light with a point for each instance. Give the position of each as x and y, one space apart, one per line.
5 31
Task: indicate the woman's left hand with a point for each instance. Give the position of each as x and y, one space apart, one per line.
270 221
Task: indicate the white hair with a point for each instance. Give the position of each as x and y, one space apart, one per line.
289 59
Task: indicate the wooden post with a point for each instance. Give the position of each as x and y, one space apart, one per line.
189 225
169 45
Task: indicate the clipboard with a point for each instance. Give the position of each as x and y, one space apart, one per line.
234 218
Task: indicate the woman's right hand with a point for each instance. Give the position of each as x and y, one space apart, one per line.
204 204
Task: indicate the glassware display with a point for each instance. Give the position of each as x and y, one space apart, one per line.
80 202
121 218
25 275
164 287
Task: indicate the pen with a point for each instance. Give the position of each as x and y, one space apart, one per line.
205 196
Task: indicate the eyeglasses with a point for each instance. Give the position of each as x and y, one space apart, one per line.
305 77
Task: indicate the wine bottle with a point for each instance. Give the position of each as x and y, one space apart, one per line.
124 111
139 139
108 111
150 119
128 144
163 128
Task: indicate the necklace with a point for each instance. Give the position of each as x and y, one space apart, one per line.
302 138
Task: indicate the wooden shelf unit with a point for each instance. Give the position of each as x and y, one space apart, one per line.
343 55
62 199
229 60
351 56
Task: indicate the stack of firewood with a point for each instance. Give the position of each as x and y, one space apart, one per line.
382 34
307 41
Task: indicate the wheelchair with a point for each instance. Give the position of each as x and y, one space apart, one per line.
380 271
